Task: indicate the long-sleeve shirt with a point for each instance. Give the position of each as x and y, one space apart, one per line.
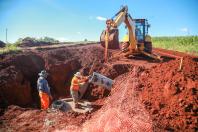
42 85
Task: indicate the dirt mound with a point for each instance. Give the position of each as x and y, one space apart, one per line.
170 95
32 42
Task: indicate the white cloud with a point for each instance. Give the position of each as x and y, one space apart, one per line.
185 29
101 18
79 33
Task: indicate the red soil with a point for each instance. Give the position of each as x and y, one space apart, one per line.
146 96
170 95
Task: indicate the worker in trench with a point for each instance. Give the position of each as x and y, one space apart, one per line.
77 81
44 90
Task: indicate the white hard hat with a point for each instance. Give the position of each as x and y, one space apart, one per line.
43 73
78 74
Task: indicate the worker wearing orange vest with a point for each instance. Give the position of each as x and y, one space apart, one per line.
77 80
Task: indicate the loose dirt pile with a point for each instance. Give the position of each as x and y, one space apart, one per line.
170 95
146 96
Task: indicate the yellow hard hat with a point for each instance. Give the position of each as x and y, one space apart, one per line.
126 38
148 38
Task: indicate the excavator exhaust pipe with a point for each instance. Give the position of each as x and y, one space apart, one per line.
113 42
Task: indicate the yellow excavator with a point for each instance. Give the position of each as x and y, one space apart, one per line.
136 42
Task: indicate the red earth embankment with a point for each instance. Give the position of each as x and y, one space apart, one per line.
170 95
146 95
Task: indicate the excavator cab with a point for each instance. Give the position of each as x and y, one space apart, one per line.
141 29
141 33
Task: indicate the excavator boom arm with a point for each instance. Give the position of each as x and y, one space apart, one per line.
120 17
123 17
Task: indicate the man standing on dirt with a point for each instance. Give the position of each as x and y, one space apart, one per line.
77 80
44 90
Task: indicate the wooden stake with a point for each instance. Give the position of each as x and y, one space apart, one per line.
181 62
106 46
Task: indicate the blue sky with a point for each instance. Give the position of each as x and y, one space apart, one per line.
74 20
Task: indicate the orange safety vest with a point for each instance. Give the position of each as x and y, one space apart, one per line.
75 83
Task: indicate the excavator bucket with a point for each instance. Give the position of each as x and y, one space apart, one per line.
113 42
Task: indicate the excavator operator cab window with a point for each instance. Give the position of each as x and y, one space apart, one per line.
140 29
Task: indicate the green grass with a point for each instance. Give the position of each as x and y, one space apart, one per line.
188 44
10 48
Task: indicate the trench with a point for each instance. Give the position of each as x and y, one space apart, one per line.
20 87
